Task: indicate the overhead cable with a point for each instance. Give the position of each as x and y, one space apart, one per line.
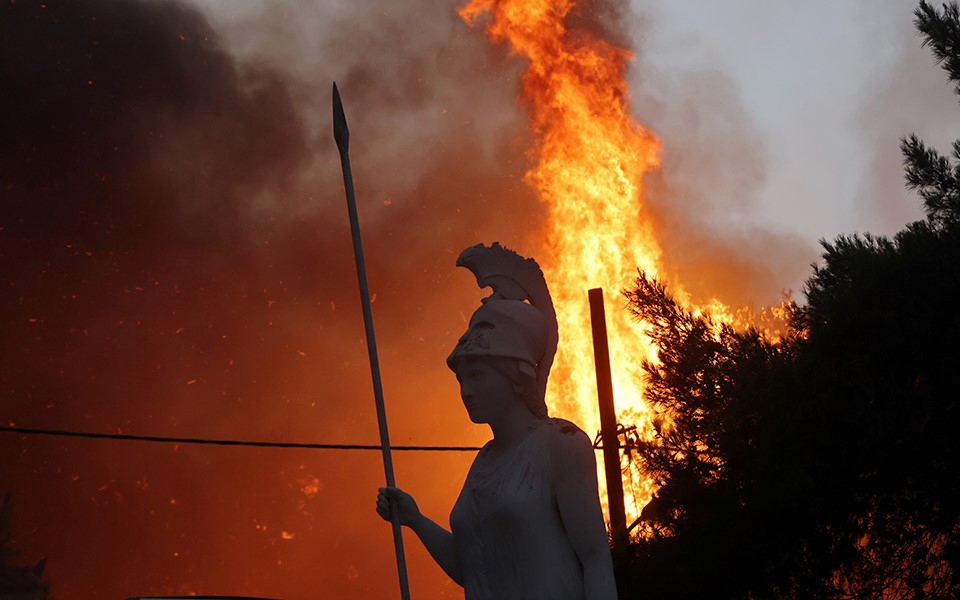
220 442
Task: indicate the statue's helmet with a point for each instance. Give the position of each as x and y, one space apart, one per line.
506 325
507 329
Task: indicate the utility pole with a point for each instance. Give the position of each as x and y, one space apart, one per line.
608 423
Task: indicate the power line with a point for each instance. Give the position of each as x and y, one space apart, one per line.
178 440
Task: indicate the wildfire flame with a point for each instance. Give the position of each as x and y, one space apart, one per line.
591 157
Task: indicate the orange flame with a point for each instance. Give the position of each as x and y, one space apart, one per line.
591 158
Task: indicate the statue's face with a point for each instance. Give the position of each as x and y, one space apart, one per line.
487 393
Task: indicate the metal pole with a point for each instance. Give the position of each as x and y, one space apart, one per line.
342 136
608 422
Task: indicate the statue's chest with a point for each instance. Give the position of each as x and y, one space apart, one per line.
506 496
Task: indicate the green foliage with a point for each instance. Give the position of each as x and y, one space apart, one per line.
934 176
824 464
941 33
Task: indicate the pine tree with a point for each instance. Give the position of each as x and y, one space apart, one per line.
937 177
823 465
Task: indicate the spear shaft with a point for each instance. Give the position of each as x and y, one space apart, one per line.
342 136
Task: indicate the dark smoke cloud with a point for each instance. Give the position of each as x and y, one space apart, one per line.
136 153
416 82
177 262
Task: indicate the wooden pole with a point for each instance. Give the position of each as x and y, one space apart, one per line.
342 136
608 422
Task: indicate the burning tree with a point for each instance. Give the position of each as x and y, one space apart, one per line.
824 463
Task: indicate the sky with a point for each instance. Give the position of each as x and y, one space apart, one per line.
177 259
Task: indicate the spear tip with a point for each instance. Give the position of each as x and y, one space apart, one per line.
340 132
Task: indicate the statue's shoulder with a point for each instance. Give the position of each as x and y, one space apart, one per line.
562 426
563 433
570 447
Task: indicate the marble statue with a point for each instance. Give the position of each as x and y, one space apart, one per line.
528 523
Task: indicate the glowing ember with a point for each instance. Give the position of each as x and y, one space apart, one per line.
310 486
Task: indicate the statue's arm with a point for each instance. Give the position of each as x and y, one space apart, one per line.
440 544
438 541
578 500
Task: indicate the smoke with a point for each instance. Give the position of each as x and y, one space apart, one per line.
845 170
416 82
177 262
714 163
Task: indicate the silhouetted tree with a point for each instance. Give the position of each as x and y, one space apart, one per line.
824 464
17 583
934 176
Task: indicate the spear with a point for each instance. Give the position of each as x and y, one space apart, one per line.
342 136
